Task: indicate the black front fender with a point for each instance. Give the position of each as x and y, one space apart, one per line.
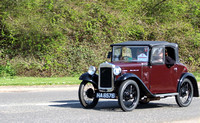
127 76
134 77
192 79
89 78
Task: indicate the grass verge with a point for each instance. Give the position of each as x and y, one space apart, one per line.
29 81
197 76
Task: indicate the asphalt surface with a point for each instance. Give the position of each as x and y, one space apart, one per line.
60 104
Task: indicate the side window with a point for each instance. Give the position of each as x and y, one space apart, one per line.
170 52
170 56
157 55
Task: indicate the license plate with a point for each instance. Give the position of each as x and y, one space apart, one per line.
106 95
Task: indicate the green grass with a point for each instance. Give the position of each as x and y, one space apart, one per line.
197 76
29 81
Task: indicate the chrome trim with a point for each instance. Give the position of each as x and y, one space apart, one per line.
166 95
135 70
142 70
107 65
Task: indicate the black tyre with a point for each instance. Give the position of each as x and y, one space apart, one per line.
128 95
184 98
87 95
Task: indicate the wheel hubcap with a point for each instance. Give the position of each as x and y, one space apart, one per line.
90 93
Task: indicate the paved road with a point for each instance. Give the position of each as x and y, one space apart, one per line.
60 104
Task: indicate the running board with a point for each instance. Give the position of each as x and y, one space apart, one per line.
166 95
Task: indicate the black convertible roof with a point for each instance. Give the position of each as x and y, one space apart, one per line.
144 43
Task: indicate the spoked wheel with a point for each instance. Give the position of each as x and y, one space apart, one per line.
129 95
184 98
87 95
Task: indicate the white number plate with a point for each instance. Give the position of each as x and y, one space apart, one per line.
106 95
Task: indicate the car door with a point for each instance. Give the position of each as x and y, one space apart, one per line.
161 76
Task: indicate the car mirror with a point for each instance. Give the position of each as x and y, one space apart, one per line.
109 55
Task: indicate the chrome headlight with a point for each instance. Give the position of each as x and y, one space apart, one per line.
117 70
91 70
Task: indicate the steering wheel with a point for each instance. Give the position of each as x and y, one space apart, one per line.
125 58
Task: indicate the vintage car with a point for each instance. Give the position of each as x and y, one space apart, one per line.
139 72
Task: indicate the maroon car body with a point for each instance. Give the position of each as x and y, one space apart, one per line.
139 72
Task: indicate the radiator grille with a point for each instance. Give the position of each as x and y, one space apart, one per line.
106 77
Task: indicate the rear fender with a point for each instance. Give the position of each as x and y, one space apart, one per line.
89 78
134 77
192 79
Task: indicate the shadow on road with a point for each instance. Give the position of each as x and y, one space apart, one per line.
108 105
67 104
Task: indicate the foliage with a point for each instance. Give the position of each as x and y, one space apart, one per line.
59 37
7 71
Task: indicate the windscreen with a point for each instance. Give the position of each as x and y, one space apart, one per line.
130 53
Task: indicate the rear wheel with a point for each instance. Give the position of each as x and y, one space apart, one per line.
87 95
129 95
184 98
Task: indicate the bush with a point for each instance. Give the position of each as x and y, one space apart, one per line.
59 37
7 71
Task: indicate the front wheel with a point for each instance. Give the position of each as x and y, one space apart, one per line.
87 95
128 95
184 98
